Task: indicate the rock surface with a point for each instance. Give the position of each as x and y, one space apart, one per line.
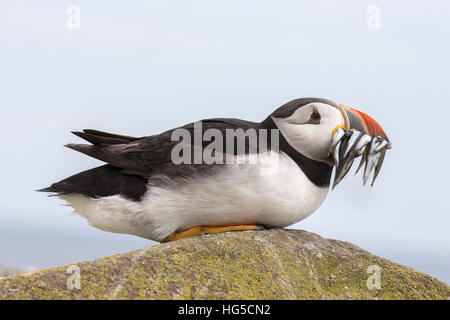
268 264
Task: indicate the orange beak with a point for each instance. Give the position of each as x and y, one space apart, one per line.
355 119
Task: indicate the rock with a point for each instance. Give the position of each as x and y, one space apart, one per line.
267 264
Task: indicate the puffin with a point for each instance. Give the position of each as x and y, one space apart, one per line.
222 174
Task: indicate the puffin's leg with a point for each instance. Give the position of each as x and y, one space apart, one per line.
202 230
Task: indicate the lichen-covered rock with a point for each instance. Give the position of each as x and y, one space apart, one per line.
268 264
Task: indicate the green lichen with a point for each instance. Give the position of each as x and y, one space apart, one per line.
269 264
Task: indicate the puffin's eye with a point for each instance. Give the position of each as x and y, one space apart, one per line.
315 117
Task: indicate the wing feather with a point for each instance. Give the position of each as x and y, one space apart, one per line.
147 155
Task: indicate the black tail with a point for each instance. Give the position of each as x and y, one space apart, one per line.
101 182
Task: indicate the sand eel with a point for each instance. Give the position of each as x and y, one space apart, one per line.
222 175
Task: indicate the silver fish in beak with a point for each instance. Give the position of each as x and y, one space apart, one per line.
361 136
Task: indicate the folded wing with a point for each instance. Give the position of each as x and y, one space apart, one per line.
150 155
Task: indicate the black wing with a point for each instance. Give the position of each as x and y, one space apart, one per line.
149 156
134 162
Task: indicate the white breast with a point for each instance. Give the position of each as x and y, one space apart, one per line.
273 193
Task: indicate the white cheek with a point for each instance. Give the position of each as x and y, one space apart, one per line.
313 141
310 140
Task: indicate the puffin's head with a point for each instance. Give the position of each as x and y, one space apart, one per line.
336 134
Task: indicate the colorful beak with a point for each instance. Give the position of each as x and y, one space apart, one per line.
355 119
360 136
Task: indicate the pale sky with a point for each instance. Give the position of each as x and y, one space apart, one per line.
144 67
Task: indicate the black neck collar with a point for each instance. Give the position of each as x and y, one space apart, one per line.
317 172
